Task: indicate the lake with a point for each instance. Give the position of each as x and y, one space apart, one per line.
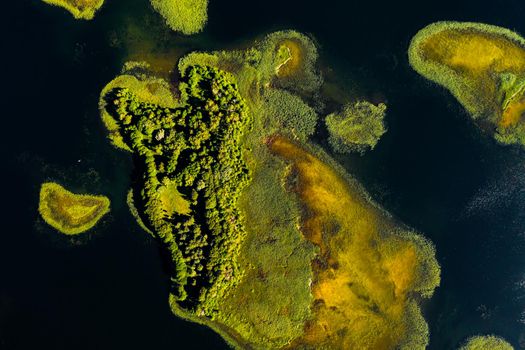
433 169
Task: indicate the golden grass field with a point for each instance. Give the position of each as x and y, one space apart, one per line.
365 274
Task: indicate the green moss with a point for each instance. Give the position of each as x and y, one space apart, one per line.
68 212
483 66
185 16
486 342
80 9
357 127
369 268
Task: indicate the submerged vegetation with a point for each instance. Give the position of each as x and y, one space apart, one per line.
228 182
487 342
68 212
80 9
483 66
357 127
185 16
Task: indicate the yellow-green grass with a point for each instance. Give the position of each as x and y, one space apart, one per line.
486 342
135 76
368 269
185 16
172 201
80 9
483 66
68 212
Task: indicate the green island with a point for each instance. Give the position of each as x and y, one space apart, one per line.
483 66
185 16
270 242
68 212
486 342
80 9
357 127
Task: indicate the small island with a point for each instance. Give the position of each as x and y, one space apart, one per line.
185 16
483 66
357 127
80 9
68 212
486 342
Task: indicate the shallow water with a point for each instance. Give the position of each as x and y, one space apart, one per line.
433 170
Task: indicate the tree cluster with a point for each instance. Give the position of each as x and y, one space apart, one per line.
195 150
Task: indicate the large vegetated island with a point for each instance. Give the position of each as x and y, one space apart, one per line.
483 66
68 212
271 243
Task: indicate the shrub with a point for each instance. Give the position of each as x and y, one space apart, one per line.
357 127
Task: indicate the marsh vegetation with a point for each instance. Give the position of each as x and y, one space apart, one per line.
483 66
185 16
68 212
80 9
368 270
357 127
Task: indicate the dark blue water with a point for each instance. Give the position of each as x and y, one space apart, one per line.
433 170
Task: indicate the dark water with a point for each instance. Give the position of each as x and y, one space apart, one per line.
433 169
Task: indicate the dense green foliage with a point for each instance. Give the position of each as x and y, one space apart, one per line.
358 127
80 9
487 342
68 212
290 112
185 16
194 151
